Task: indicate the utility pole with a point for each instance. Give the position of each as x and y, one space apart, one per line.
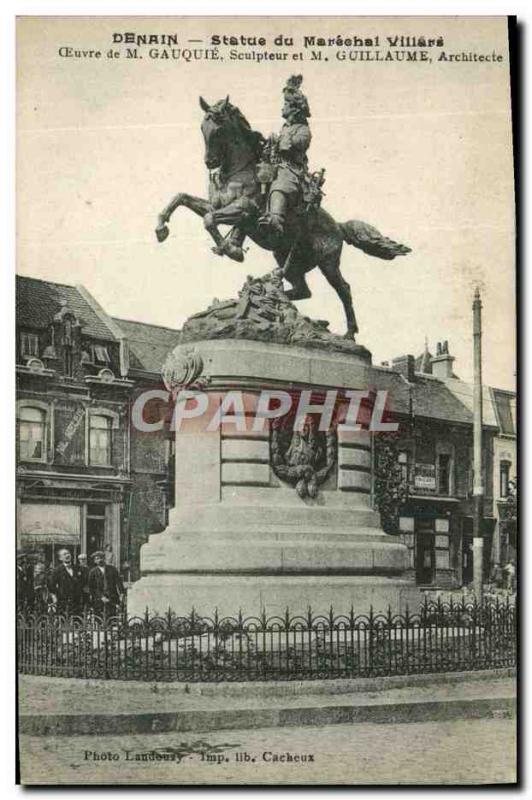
478 487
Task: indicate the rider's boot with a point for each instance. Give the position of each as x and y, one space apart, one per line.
274 220
232 245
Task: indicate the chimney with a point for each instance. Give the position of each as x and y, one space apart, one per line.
406 365
442 362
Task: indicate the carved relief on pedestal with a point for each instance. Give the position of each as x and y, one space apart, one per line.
303 458
183 370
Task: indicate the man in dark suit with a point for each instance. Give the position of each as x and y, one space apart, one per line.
24 583
84 577
65 584
105 586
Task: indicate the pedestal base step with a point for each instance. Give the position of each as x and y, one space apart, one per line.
254 593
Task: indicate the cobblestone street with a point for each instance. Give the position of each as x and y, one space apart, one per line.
476 751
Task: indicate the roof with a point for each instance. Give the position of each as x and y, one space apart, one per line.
449 400
398 388
464 393
435 398
39 301
149 345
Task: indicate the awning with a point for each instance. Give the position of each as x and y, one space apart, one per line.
433 498
48 523
36 538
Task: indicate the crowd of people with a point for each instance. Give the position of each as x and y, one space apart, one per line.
70 588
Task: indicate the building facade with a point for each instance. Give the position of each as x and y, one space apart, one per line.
505 478
88 478
434 449
151 453
83 479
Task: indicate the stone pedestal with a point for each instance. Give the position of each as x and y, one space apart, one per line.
242 538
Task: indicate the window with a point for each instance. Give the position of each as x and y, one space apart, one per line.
504 473
100 354
32 434
444 473
100 440
29 345
402 459
68 361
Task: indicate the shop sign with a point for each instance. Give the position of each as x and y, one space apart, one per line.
425 477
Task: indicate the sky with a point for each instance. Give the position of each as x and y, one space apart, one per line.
421 151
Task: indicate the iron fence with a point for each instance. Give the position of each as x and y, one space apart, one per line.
440 637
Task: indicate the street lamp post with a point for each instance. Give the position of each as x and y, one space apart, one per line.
478 486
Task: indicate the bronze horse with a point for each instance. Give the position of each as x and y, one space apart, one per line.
232 152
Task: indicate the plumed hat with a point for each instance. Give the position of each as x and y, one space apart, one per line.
294 96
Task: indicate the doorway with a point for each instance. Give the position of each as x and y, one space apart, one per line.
467 551
425 552
467 560
95 528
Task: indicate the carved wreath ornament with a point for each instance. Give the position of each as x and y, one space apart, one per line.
183 370
304 458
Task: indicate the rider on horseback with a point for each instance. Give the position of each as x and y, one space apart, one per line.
291 170
250 176
292 145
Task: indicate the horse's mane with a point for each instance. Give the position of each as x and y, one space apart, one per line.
254 138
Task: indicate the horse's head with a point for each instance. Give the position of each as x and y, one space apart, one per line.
227 134
214 129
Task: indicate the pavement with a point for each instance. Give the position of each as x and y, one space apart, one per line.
462 752
73 707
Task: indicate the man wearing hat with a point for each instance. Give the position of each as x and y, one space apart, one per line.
105 586
65 584
292 144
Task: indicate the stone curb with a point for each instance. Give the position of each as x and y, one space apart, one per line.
196 720
271 689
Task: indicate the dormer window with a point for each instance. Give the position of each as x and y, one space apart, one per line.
100 354
29 345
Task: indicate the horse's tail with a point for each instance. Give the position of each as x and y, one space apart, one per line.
368 239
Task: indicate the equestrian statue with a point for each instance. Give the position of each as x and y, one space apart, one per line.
263 189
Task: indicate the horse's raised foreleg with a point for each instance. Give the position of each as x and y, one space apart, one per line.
196 204
331 269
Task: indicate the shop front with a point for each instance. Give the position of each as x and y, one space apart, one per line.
431 531
43 529
82 524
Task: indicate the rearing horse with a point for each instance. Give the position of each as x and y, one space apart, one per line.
232 153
